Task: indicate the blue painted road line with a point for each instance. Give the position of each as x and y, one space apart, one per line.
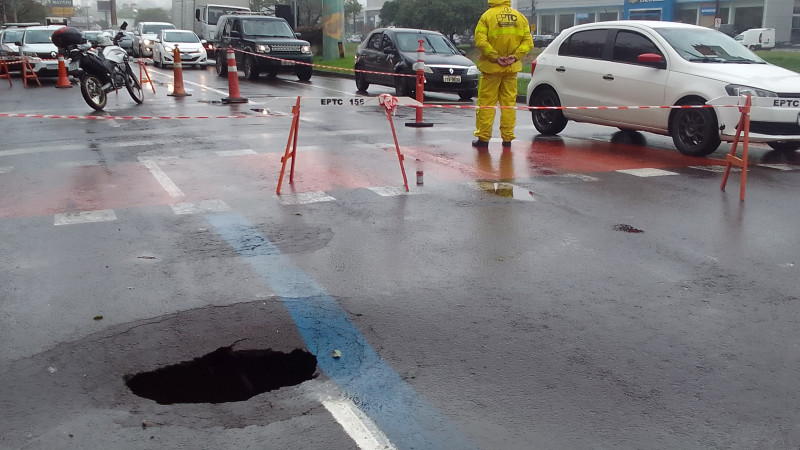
408 420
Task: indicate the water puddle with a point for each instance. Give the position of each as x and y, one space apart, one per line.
507 190
224 375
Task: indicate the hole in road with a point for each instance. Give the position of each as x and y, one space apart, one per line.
224 375
627 228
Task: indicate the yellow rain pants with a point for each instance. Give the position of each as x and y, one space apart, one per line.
495 88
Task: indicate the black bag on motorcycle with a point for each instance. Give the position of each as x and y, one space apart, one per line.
101 68
64 37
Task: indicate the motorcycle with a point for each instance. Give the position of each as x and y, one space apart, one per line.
100 70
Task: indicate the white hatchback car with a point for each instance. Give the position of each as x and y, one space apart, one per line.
649 63
191 48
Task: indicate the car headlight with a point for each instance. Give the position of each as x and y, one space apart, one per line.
473 70
306 49
737 90
261 48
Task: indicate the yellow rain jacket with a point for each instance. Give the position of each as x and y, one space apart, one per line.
502 31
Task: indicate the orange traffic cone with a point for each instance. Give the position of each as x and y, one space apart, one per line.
63 80
233 81
178 90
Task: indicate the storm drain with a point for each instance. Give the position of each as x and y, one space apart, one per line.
224 375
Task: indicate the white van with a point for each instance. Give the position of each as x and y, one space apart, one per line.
757 38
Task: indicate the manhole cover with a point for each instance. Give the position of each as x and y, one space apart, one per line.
224 375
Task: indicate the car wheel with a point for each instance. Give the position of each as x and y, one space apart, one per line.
466 95
694 130
403 86
221 64
304 72
250 71
784 146
361 80
547 121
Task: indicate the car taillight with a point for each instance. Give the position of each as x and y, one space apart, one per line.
533 66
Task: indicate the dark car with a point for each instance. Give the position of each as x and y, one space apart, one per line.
262 44
390 51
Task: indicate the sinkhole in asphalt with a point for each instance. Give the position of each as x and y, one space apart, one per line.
224 375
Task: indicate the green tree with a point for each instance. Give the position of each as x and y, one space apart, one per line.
153 15
22 11
448 17
352 8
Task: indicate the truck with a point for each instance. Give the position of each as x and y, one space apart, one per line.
757 38
201 17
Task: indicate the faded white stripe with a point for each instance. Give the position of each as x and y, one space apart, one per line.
163 179
242 152
393 191
304 198
647 172
103 215
207 206
355 424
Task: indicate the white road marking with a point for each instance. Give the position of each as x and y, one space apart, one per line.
646 172
359 427
43 148
580 176
162 178
206 206
393 191
71 164
103 215
304 198
715 169
242 152
784 167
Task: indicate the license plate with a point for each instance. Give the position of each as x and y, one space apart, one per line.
286 62
451 78
184 56
52 66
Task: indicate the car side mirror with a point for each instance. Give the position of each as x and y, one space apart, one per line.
389 50
156 40
136 33
652 60
203 41
18 43
235 34
298 35
463 52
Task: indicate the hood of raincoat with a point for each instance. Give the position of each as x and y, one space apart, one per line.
499 2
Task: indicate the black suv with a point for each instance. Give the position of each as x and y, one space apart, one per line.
261 44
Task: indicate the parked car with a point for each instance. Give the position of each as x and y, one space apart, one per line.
191 47
271 37
12 34
757 38
38 48
92 36
126 42
390 51
650 63
143 37
542 40
7 55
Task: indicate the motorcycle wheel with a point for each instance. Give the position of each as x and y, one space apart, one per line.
92 91
133 85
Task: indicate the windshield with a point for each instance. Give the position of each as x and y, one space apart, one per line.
154 29
708 45
38 36
180 36
215 12
432 43
266 28
13 35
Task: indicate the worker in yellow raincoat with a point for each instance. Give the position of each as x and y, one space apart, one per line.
504 38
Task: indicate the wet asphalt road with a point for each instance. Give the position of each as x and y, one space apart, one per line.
577 292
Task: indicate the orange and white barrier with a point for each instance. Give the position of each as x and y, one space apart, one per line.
63 80
420 88
233 80
177 67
